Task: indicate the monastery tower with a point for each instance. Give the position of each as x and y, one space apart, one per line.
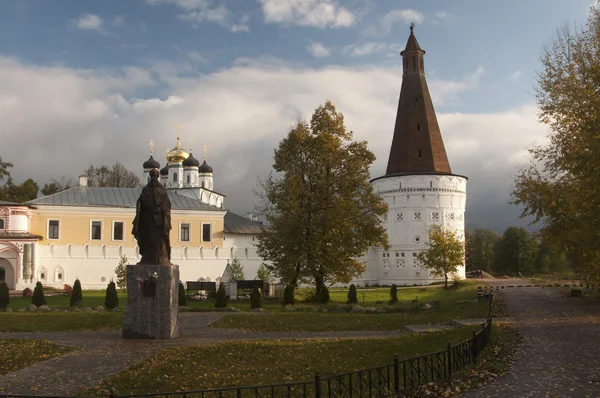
418 185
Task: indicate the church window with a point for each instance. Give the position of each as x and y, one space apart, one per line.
402 254
416 99
96 230
414 62
174 177
418 127
185 232
417 239
419 153
435 216
450 216
53 226
59 277
385 217
117 230
206 233
2 223
417 216
417 274
399 217
414 254
397 254
202 184
189 179
43 276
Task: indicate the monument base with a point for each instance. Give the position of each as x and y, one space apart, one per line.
152 310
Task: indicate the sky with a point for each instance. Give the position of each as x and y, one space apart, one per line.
92 82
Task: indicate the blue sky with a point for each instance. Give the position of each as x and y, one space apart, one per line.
93 81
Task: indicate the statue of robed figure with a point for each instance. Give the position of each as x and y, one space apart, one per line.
152 223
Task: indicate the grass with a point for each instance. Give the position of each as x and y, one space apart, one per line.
19 354
267 362
91 298
61 321
454 303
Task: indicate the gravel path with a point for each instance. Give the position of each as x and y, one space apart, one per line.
105 352
560 352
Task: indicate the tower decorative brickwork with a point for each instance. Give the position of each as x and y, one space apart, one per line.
418 186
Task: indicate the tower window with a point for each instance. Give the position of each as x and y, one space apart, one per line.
414 62
202 184
174 177
418 127
189 179
1 223
416 100
419 153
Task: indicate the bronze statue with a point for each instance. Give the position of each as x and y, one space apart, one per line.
152 223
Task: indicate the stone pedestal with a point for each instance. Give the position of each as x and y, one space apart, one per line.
152 302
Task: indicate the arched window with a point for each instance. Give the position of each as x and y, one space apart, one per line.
189 178
419 153
202 184
1 223
174 177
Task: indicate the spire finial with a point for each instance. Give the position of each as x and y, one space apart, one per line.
178 136
204 151
191 143
151 147
412 27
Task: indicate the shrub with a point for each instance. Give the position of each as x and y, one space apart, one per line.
27 292
352 297
182 297
221 299
77 295
4 296
288 295
111 300
68 290
38 297
255 298
324 295
393 294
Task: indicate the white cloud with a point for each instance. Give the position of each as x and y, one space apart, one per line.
516 75
241 113
359 50
386 23
199 11
318 50
119 21
88 21
316 13
442 14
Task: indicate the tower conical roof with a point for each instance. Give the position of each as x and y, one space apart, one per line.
417 146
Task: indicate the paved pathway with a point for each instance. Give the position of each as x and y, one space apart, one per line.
104 353
560 353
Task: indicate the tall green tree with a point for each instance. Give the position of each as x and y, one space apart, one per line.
551 259
515 253
19 193
322 210
263 273
4 166
445 252
560 187
111 176
237 269
479 246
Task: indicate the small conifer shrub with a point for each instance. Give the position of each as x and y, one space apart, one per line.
255 298
4 296
221 299
352 296
182 296
76 295
38 297
324 296
111 300
393 294
288 295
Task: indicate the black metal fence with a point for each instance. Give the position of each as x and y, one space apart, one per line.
383 381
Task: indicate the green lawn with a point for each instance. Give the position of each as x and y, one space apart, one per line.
58 321
91 298
19 354
266 362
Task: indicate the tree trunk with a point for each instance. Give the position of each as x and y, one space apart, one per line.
445 281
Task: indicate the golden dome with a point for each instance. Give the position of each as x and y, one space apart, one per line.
177 155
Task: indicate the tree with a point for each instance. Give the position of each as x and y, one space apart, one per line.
393 294
444 253
221 298
4 166
560 187
288 295
550 259
322 210
324 295
255 298
263 273
237 269
515 253
121 272
4 296
116 176
24 192
58 185
77 295
352 296
479 247
38 298
111 299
